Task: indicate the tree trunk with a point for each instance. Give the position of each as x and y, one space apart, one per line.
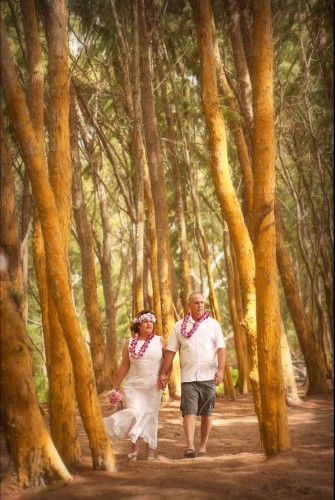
104 249
309 346
33 456
242 71
85 238
291 391
156 171
140 162
241 354
62 405
274 430
157 180
175 169
230 207
33 156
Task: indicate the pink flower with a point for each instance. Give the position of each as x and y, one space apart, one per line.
189 334
115 396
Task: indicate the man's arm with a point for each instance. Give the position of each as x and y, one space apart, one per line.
221 354
166 368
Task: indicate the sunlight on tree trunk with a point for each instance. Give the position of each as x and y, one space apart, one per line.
291 390
230 207
274 429
33 155
85 240
31 450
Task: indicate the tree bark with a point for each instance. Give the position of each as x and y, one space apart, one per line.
274 430
175 169
156 171
85 238
32 453
230 207
33 156
309 345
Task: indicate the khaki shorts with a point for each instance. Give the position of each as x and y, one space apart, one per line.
198 398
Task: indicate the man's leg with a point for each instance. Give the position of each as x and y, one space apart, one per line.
189 429
206 425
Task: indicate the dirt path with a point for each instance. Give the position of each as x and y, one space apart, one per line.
235 467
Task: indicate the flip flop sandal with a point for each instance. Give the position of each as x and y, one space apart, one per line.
201 454
189 454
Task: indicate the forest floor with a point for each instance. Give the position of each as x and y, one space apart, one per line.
234 468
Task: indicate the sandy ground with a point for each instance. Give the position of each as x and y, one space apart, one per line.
235 467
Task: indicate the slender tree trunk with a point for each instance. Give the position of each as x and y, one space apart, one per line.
230 207
85 238
33 156
175 168
274 430
242 71
309 347
104 249
239 139
241 354
140 161
156 171
291 391
152 247
62 405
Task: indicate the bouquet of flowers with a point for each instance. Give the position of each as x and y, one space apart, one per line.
115 396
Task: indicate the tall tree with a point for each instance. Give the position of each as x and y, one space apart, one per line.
274 429
85 239
61 382
33 156
229 203
156 171
33 455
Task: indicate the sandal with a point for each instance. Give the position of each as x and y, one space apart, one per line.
151 458
132 457
201 454
189 454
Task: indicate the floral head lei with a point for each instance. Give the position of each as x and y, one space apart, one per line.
145 317
132 347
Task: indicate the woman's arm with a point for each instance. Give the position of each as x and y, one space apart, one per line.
124 366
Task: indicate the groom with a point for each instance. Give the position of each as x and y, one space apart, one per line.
199 340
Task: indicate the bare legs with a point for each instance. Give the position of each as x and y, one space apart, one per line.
132 456
206 425
150 453
135 448
189 430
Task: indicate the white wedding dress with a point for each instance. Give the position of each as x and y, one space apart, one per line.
142 398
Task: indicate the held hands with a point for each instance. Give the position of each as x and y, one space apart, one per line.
162 381
218 377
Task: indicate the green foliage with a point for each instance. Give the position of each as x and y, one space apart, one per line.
220 389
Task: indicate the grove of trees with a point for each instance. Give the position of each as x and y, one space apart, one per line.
150 148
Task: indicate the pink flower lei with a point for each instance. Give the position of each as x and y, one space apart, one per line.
144 347
189 334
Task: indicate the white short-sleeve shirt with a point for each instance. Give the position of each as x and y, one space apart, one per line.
198 353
